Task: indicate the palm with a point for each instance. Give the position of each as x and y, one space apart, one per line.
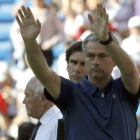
28 26
29 29
100 24
99 27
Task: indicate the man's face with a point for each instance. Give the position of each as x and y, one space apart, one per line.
98 63
135 31
81 4
39 3
76 67
32 102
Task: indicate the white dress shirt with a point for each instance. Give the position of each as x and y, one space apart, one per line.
49 124
132 46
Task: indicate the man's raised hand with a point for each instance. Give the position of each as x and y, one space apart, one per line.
28 26
100 24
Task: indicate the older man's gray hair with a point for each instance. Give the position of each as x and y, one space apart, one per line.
38 87
91 37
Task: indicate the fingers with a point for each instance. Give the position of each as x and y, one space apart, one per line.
101 11
104 13
98 12
90 18
25 12
107 19
38 24
105 16
21 15
18 20
30 13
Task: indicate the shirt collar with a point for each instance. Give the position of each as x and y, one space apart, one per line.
92 88
108 86
49 114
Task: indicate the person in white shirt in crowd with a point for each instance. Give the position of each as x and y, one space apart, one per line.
40 108
51 35
8 89
131 44
119 14
137 7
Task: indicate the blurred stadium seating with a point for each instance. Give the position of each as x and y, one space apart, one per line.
6 20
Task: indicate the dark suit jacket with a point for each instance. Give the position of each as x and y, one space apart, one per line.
61 130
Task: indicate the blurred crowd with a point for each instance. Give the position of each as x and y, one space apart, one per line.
62 22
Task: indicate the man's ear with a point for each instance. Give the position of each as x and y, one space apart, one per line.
114 65
43 100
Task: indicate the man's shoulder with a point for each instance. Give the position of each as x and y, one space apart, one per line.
67 81
118 82
123 91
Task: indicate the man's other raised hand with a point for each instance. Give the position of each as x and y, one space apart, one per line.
28 26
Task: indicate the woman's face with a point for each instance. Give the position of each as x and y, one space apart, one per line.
38 3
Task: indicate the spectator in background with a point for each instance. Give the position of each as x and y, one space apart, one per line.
8 94
119 14
137 7
4 118
131 44
92 7
51 33
4 124
40 108
8 89
76 21
91 4
18 3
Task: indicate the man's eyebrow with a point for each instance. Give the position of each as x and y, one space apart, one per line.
73 60
90 53
26 93
103 54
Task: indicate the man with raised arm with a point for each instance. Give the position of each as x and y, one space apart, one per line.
99 107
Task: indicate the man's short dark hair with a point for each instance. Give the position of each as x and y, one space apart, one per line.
75 47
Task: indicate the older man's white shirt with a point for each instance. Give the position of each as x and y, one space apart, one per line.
49 124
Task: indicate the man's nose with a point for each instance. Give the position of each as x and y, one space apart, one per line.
78 68
96 61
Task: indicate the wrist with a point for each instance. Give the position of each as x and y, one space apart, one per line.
107 40
31 41
31 45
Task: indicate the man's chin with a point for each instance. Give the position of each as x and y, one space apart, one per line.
97 76
29 115
74 79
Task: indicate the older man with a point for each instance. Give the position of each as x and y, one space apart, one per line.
98 107
40 108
